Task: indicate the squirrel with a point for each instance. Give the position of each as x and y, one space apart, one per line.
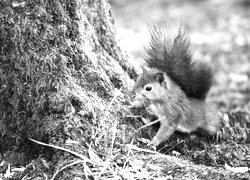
175 87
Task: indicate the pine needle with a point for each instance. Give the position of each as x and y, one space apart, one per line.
63 149
151 123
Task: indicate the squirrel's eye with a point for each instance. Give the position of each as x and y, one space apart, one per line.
148 88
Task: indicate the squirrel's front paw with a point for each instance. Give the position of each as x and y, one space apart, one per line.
136 103
155 141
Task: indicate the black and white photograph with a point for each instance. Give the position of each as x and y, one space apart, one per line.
124 89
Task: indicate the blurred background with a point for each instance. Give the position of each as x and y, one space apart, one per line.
219 32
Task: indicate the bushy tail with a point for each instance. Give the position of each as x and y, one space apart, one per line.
172 55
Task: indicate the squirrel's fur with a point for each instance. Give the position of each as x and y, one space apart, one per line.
175 95
173 56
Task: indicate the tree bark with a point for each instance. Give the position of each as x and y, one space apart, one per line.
60 66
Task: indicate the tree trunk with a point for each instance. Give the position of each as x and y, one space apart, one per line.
60 64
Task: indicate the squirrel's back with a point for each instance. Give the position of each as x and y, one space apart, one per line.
172 55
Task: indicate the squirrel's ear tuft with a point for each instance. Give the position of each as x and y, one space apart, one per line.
159 77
